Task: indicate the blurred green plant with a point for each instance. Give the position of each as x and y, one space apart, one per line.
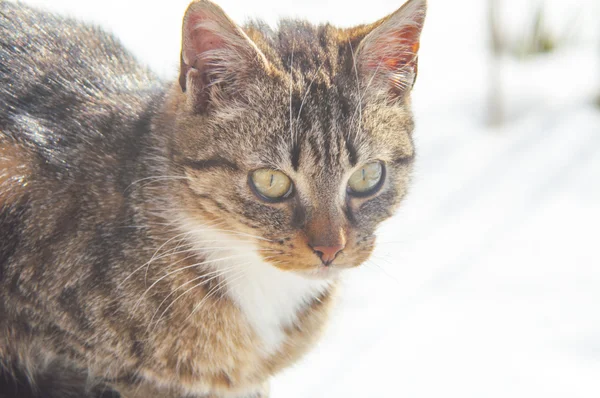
541 38
495 101
537 37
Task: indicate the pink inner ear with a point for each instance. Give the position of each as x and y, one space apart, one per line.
199 41
405 44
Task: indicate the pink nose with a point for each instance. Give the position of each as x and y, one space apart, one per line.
328 253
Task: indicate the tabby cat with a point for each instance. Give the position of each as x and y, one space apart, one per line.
185 239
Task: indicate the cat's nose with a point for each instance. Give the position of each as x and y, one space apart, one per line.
327 253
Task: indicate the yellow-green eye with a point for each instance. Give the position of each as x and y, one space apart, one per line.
367 180
270 184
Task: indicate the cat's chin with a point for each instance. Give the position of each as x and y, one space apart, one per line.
321 272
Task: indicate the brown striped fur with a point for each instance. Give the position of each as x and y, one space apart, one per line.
125 201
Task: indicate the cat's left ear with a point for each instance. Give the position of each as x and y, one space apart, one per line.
216 53
388 55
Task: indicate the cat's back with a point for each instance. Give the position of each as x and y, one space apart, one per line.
65 85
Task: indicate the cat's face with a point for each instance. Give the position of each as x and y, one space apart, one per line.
298 141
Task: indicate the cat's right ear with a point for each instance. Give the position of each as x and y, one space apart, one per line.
216 54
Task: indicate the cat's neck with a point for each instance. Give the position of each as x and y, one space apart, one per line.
270 300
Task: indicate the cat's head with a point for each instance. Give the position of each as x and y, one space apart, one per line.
298 140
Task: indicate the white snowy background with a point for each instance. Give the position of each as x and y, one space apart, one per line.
487 283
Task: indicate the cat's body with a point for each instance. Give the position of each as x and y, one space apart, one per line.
132 255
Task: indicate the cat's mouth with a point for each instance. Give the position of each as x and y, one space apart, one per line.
307 266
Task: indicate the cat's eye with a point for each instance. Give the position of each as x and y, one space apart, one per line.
271 185
367 180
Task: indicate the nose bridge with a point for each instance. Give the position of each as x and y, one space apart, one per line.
326 226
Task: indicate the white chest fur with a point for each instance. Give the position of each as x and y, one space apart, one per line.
270 299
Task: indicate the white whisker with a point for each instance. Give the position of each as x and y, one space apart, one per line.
376 266
153 258
291 89
213 275
223 284
235 233
308 91
357 87
157 178
182 269
362 96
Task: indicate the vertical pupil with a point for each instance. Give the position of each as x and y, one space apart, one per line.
271 182
363 174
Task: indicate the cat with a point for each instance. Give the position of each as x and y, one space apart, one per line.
171 239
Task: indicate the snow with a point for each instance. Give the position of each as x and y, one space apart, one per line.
487 282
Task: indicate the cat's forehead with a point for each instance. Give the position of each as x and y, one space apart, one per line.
311 125
300 46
